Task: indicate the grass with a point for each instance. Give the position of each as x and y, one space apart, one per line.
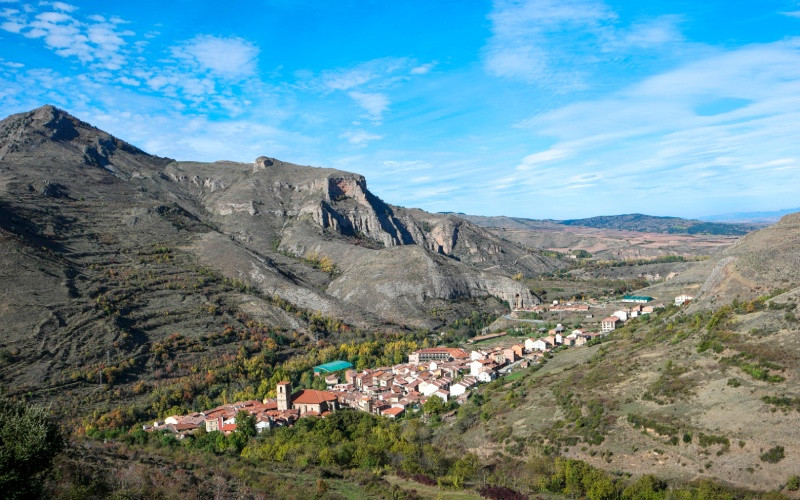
425 491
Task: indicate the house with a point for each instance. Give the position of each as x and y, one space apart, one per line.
462 386
442 394
487 375
475 355
622 315
510 354
610 324
477 366
263 422
214 424
519 350
648 309
537 345
393 412
331 380
682 299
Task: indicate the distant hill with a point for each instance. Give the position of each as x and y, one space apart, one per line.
655 224
768 217
627 222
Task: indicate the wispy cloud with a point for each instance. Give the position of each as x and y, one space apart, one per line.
359 137
423 69
375 104
557 43
225 57
652 137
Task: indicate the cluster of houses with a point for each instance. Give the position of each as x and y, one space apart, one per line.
446 372
621 316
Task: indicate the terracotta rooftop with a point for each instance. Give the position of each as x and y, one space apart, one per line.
312 396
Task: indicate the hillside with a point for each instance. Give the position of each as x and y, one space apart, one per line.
109 252
708 391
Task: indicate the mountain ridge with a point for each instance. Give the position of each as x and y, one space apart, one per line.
622 222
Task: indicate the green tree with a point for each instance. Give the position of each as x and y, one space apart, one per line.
29 440
245 424
433 406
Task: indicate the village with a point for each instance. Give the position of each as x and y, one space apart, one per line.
447 373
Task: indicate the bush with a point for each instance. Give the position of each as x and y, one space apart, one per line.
501 493
793 484
29 440
773 455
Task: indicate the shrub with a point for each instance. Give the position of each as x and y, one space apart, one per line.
773 455
793 484
29 440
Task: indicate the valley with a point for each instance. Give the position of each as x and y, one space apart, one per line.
490 356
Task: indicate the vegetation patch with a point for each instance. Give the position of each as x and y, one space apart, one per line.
773 455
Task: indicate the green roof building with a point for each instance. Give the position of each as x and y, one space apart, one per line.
639 299
333 366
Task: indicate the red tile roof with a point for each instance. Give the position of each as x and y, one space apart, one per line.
312 397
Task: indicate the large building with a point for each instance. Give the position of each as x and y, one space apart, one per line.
437 354
637 299
333 366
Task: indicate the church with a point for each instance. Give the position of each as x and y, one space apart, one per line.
308 401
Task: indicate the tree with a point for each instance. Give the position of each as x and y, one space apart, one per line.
29 441
433 406
246 424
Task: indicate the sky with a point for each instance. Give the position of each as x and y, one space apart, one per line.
530 108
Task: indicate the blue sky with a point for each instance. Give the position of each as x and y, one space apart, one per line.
531 108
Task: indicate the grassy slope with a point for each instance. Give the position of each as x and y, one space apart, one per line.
578 403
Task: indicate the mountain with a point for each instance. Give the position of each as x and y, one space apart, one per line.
108 251
655 224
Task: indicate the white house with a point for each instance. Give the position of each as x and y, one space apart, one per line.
537 345
476 355
487 375
476 366
682 299
622 315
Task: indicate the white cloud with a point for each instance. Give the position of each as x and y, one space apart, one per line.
549 155
374 104
376 72
794 13
63 6
423 69
227 57
98 43
359 137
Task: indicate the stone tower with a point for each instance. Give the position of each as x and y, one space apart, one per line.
284 395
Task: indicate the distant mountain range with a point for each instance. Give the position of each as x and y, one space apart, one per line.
768 217
626 222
